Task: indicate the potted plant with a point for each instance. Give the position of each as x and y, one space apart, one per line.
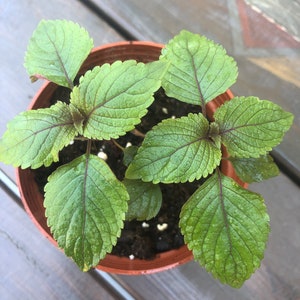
87 199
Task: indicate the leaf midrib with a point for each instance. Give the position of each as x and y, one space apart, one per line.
222 132
224 213
84 198
102 104
179 148
70 82
44 129
197 82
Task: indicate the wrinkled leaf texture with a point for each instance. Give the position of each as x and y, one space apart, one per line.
176 150
199 69
250 127
113 98
35 137
85 208
227 228
56 51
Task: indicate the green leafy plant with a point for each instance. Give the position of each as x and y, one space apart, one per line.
225 225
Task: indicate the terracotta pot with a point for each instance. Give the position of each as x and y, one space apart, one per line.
33 200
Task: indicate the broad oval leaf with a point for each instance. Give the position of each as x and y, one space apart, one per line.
176 150
56 51
85 208
255 169
199 69
35 137
250 127
115 97
145 199
227 228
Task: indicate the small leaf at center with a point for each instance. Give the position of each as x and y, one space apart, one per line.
145 199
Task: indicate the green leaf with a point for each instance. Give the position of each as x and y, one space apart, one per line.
199 69
255 169
176 150
85 206
78 118
145 199
129 154
250 127
35 137
115 97
56 51
227 228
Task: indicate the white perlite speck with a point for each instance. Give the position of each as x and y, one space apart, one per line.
102 155
165 110
131 256
145 225
162 227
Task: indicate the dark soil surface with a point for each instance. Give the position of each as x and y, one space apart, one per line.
139 239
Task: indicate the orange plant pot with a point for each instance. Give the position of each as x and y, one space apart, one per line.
33 200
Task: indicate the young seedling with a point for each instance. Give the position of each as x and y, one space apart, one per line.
225 225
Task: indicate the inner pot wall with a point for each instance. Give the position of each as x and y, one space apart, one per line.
33 200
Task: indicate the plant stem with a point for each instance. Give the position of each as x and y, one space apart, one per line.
137 133
71 84
118 145
203 108
81 138
88 147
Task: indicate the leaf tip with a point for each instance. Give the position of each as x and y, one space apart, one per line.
36 77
